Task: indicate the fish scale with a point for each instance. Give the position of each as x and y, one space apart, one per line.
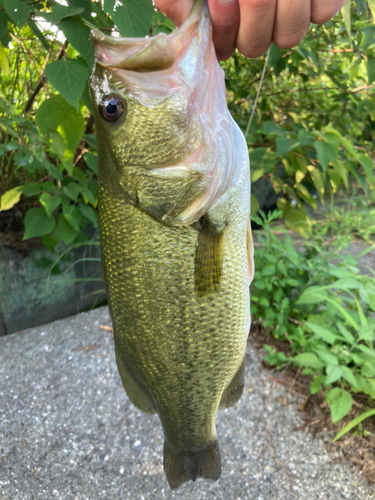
177 292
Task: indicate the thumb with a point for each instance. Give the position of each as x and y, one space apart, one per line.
176 10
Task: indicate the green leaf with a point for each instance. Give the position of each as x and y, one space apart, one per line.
353 423
133 17
370 69
89 213
254 205
17 10
296 220
269 270
367 333
31 189
262 161
55 114
315 386
91 161
327 357
308 359
72 190
322 332
72 221
312 295
371 4
333 376
270 128
50 203
78 35
3 23
318 181
38 223
340 169
69 77
346 284
84 4
349 376
50 241
368 164
346 15
281 267
4 63
10 198
368 37
34 28
341 406
326 153
345 333
108 6
60 12
284 145
65 231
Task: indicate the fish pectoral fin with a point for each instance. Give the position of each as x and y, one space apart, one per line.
180 467
233 392
250 252
167 192
209 256
136 395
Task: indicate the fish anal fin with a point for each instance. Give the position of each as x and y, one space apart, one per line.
180 467
209 257
136 395
250 252
233 392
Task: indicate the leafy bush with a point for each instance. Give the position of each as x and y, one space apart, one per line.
321 303
312 132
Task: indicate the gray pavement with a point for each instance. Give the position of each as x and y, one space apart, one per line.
68 431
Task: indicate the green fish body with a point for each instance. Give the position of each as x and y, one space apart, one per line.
174 201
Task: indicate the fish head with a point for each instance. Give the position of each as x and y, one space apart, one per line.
160 103
144 106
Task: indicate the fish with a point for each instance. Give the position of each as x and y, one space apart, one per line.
177 251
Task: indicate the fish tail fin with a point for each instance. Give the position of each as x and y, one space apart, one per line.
180 467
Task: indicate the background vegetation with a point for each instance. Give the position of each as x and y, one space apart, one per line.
311 138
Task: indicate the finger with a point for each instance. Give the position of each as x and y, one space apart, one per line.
176 10
292 22
322 11
225 17
256 26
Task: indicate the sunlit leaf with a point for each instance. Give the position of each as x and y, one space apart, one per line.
346 15
4 63
10 198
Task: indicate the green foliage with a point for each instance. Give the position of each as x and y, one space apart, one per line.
48 160
314 130
319 302
299 140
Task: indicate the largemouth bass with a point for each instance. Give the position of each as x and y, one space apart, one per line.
174 202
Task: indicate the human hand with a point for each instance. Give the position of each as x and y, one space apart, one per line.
251 25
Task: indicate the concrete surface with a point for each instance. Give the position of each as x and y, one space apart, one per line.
68 431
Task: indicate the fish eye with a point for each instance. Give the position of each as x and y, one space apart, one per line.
111 108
